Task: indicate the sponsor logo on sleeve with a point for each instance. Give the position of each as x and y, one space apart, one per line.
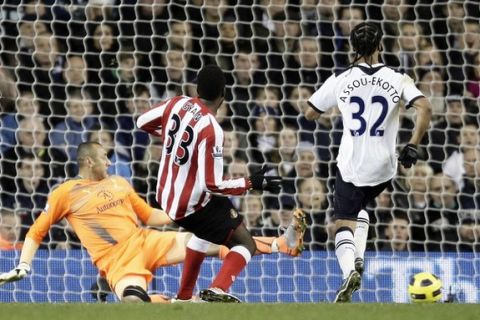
217 152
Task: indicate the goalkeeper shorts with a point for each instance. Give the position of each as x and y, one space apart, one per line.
141 254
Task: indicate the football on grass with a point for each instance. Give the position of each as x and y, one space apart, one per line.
425 287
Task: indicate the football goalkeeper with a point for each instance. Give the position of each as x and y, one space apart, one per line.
104 212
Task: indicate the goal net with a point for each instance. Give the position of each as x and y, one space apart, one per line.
72 71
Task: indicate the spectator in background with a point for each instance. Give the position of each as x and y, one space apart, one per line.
102 47
393 11
26 106
396 234
409 41
227 42
180 35
473 84
279 216
347 17
36 71
382 212
470 192
276 47
465 45
83 14
125 74
28 27
129 139
145 171
68 134
32 141
431 83
213 12
454 165
244 83
418 180
251 209
306 166
231 148
72 78
287 143
56 16
171 79
263 25
318 20
31 189
442 214
312 199
444 136
305 66
469 232
8 90
263 140
428 55
10 225
143 26
236 169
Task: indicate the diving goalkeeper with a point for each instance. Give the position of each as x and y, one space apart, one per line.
104 212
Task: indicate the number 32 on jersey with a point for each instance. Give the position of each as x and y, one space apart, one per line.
377 101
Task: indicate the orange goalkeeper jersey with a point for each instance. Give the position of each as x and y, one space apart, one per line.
102 213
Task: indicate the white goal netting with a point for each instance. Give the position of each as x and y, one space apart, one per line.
77 70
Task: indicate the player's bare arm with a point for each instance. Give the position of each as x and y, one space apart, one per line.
424 114
158 218
311 113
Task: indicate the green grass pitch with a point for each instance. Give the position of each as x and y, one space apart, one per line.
294 311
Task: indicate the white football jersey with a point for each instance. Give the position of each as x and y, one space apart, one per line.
368 98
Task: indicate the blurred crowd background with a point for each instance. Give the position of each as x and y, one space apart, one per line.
72 71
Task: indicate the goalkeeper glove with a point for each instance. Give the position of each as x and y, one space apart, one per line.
408 156
259 181
16 274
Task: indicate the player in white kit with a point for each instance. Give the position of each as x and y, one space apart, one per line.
368 94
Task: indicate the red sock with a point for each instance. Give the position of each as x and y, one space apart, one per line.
191 269
232 265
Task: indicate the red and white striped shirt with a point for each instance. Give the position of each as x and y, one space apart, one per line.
191 168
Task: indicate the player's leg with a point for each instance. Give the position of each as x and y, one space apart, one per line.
363 222
290 243
196 250
242 247
195 253
132 288
347 203
360 239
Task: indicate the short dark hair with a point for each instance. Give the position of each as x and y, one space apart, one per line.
210 82
365 39
85 149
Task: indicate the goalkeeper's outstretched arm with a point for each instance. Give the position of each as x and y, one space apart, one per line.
29 249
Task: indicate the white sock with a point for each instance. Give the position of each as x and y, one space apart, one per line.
361 234
291 236
275 247
345 250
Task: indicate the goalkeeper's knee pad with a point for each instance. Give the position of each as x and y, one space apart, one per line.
132 292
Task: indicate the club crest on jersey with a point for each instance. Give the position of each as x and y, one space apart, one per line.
233 213
106 195
217 152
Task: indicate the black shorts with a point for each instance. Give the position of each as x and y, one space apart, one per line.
215 222
350 199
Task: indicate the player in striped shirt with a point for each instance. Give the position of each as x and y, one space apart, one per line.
191 188
369 96
105 212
